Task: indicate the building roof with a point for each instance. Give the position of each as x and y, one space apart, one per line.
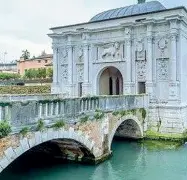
140 8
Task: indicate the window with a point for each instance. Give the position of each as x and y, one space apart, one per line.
141 88
45 61
39 61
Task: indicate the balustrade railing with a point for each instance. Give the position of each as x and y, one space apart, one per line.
23 111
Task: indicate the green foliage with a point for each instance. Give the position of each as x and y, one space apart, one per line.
8 76
5 129
84 119
24 131
40 73
98 114
49 72
25 89
59 124
25 54
144 113
40 125
115 113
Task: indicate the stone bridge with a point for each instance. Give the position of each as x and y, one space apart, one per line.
80 129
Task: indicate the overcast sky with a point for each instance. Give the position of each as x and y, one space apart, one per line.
25 23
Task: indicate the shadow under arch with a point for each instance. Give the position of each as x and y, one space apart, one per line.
128 123
77 143
115 74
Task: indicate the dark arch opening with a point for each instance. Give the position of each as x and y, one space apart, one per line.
128 129
48 154
110 86
110 82
117 86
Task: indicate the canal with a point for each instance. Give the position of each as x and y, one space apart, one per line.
130 161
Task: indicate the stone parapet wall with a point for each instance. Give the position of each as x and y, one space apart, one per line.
26 110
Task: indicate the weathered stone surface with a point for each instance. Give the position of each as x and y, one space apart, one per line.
10 154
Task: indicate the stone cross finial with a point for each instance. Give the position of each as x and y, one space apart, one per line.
141 1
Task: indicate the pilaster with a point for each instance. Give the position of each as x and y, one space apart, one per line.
128 84
86 84
55 89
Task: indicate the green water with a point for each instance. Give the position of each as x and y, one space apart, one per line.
130 161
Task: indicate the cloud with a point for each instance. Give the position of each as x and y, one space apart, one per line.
25 23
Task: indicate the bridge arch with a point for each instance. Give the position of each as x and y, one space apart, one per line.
110 81
38 138
129 118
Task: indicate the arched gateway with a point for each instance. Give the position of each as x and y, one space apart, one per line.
110 81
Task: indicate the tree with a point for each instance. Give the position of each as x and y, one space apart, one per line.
50 72
25 54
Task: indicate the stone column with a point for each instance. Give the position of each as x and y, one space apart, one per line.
149 69
55 86
86 84
174 84
149 58
70 70
128 70
173 57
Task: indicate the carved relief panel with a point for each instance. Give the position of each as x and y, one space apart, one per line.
64 73
63 60
140 52
141 70
109 52
162 69
162 47
63 55
79 55
80 73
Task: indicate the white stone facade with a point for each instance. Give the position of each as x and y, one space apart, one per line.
149 50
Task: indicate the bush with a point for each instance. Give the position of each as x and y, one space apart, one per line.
8 76
84 119
40 125
99 114
59 124
24 131
25 89
5 129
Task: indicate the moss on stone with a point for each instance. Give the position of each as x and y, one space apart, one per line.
160 145
160 136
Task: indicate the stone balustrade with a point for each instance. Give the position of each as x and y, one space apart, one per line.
26 110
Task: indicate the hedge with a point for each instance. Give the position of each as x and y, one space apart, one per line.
25 89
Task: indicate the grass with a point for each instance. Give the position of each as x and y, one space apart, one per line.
59 124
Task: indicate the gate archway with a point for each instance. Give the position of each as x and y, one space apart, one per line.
110 82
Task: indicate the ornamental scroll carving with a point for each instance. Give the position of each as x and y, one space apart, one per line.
64 74
80 54
162 47
63 55
141 70
162 69
80 73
